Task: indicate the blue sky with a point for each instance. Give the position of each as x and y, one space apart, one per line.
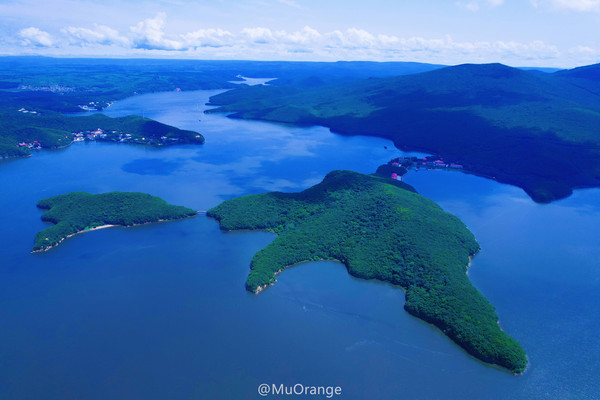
553 33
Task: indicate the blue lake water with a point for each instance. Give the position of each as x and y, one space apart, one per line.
160 311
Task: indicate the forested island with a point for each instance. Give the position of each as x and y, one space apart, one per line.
379 229
538 131
78 212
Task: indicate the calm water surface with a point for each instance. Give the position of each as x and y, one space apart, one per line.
160 311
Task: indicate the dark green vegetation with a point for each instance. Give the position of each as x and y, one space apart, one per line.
35 92
379 229
50 87
535 130
46 129
63 84
80 211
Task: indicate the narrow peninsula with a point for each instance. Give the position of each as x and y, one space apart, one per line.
77 212
379 229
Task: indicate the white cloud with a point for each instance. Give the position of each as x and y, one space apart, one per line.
259 35
208 38
475 5
149 34
586 54
101 34
290 3
569 5
307 35
526 51
584 50
359 38
35 37
472 6
150 38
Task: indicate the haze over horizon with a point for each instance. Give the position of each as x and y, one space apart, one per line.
524 33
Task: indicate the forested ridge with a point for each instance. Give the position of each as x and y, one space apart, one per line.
535 130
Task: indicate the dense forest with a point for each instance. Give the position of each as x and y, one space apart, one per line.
80 211
36 91
62 84
379 229
539 131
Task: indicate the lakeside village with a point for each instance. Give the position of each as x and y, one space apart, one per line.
95 106
26 111
110 136
398 167
116 136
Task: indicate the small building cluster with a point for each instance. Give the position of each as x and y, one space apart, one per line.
25 111
94 106
429 162
116 136
400 166
35 145
47 88
90 135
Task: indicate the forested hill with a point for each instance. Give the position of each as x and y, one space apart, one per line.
379 229
22 131
538 131
588 72
587 77
80 211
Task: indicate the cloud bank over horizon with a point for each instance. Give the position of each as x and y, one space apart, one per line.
154 37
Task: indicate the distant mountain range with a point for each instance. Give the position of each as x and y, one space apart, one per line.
539 131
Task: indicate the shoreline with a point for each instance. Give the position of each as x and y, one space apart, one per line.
499 326
507 180
73 234
42 250
266 285
470 261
